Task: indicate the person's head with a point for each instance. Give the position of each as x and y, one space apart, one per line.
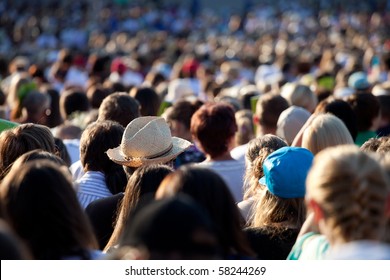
96 139
341 109
268 109
210 191
326 130
245 129
148 98
38 154
257 151
143 182
119 107
54 118
290 122
147 140
42 208
367 109
282 204
21 139
73 101
213 127
347 190
178 116
35 108
172 228
299 95
20 86
96 95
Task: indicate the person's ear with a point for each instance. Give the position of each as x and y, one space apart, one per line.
256 120
317 211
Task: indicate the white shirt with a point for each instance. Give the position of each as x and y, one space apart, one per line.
232 172
91 186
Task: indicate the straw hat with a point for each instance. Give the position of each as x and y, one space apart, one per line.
147 140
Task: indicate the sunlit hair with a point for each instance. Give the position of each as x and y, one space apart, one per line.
299 95
351 188
41 205
278 213
214 126
245 131
145 180
119 107
258 149
325 131
21 139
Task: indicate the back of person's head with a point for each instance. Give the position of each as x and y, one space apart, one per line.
182 112
326 130
172 228
68 130
36 107
367 108
214 125
95 95
299 95
148 98
21 139
257 151
119 107
38 155
96 139
290 122
268 109
351 189
73 101
54 118
282 201
245 129
42 207
143 182
211 192
341 109
371 145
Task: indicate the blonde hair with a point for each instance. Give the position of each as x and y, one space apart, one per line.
325 131
300 95
245 129
258 149
278 213
351 188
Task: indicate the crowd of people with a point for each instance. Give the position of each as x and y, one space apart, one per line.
145 130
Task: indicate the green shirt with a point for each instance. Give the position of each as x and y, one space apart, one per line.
363 136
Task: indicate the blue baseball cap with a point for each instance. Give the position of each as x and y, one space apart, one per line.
285 171
358 80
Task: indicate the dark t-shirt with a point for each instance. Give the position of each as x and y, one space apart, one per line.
269 246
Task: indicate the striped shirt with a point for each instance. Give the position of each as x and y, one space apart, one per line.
91 186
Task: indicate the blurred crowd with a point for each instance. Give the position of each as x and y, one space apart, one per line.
169 130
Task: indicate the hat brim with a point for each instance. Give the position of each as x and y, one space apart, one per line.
178 146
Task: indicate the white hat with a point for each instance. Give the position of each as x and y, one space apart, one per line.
147 140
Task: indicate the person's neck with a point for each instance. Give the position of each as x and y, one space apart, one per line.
223 157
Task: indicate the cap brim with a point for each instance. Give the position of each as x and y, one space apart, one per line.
262 181
178 146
